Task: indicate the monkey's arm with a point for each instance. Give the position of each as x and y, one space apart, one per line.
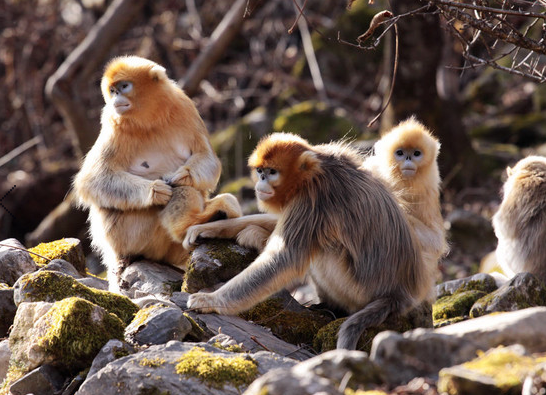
276 267
119 190
201 170
249 230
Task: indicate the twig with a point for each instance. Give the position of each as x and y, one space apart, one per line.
393 80
488 9
24 249
255 340
20 149
309 51
300 13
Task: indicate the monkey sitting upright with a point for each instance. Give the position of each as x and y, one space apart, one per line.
406 158
339 225
148 175
520 222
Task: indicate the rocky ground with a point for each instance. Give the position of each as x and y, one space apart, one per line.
65 334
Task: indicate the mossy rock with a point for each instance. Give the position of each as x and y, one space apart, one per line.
420 317
501 371
216 261
69 249
54 286
456 305
297 326
522 291
478 282
215 371
316 122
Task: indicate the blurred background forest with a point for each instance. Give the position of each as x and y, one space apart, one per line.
471 71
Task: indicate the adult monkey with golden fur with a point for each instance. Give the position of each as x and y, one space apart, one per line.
148 175
520 222
338 224
406 158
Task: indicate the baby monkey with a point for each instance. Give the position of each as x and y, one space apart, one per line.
520 222
339 225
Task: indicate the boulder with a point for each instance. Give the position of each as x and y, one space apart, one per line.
182 368
144 278
44 380
157 324
4 358
54 286
325 374
69 249
14 262
7 310
423 352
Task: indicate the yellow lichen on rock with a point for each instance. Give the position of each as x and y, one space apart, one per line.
217 371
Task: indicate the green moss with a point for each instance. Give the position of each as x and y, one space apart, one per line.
76 333
456 305
16 370
217 371
4 286
231 348
152 363
53 286
293 327
58 249
197 333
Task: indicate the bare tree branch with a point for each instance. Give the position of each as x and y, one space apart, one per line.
61 87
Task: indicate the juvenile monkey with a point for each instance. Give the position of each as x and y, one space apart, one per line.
148 175
520 222
406 158
336 223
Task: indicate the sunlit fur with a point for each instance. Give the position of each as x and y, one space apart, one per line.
520 222
418 195
157 149
337 224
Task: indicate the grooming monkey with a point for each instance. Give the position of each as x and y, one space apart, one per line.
148 175
406 158
520 222
336 223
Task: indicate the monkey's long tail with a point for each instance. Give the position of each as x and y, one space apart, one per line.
375 313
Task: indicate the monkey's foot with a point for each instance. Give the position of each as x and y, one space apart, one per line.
206 303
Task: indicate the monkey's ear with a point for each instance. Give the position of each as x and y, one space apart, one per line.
308 161
509 171
158 72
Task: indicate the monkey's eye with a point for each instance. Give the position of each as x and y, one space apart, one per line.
272 171
125 86
399 152
259 170
417 153
112 90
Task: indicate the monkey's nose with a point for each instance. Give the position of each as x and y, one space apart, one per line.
262 177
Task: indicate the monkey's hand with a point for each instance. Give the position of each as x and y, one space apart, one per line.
196 232
160 193
182 177
207 303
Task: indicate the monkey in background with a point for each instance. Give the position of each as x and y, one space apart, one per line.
520 222
149 174
336 223
406 159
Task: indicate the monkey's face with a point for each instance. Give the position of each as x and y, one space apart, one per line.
266 181
119 96
408 160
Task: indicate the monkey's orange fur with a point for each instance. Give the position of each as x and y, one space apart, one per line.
155 149
419 195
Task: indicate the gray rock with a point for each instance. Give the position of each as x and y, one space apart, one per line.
111 351
144 278
4 358
62 266
14 262
154 370
522 291
94 282
323 374
253 337
479 282
7 311
423 352
214 262
44 380
157 325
